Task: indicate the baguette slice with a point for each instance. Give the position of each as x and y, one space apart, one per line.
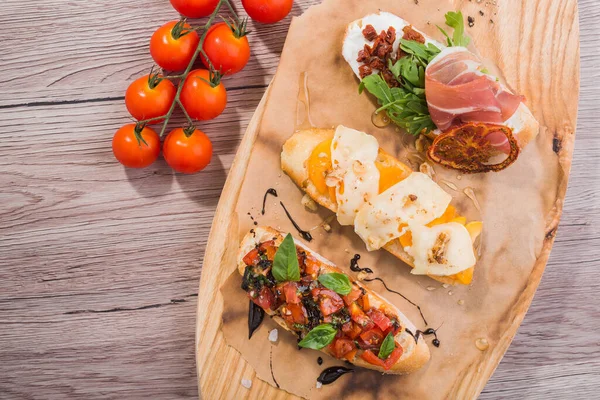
523 124
415 352
296 151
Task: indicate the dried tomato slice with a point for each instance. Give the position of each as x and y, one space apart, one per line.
475 147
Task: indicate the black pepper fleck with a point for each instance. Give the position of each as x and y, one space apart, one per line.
471 21
481 13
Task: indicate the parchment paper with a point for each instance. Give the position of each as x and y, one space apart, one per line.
517 207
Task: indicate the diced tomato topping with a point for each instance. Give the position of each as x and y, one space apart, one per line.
311 266
352 296
360 317
251 258
393 358
372 338
350 356
329 301
372 358
290 290
380 319
268 248
341 347
294 314
265 299
386 364
351 329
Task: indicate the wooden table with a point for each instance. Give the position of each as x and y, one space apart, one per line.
99 266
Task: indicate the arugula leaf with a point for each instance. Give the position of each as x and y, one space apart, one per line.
406 109
337 282
285 263
456 20
424 53
387 346
448 38
377 87
319 337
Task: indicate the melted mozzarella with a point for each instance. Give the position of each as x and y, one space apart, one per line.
416 200
353 155
355 40
441 250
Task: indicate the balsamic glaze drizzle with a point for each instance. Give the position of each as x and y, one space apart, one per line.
255 318
271 365
269 191
400 294
331 374
429 331
305 235
354 265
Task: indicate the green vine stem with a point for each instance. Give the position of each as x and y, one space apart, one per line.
185 73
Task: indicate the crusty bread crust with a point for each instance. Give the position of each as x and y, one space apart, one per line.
415 354
296 151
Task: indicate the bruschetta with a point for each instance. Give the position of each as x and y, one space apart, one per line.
324 307
390 206
441 90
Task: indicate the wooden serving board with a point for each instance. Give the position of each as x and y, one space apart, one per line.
552 29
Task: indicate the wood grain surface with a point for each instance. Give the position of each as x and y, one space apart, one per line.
99 266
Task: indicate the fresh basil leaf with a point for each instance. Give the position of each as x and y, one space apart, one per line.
457 21
387 346
285 263
319 337
337 282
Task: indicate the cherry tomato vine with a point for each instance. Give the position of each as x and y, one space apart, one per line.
222 47
199 50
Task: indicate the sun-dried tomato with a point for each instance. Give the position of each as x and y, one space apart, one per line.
411 34
390 36
363 56
376 63
383 50
369 32
364 71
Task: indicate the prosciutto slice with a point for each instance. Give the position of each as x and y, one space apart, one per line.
457 91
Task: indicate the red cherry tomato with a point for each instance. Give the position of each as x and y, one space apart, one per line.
136 147
380 319
226 48
187 153
195 8
267 11
340 347
329 301
172 46
202 100
265 299
149 96
290 289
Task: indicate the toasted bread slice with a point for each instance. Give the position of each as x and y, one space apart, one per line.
297 150
415 351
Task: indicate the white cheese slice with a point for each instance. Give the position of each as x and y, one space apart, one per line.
355 40
441 250
415 200
353 155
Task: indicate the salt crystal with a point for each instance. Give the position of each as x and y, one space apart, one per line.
247 383
319 385
273 335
